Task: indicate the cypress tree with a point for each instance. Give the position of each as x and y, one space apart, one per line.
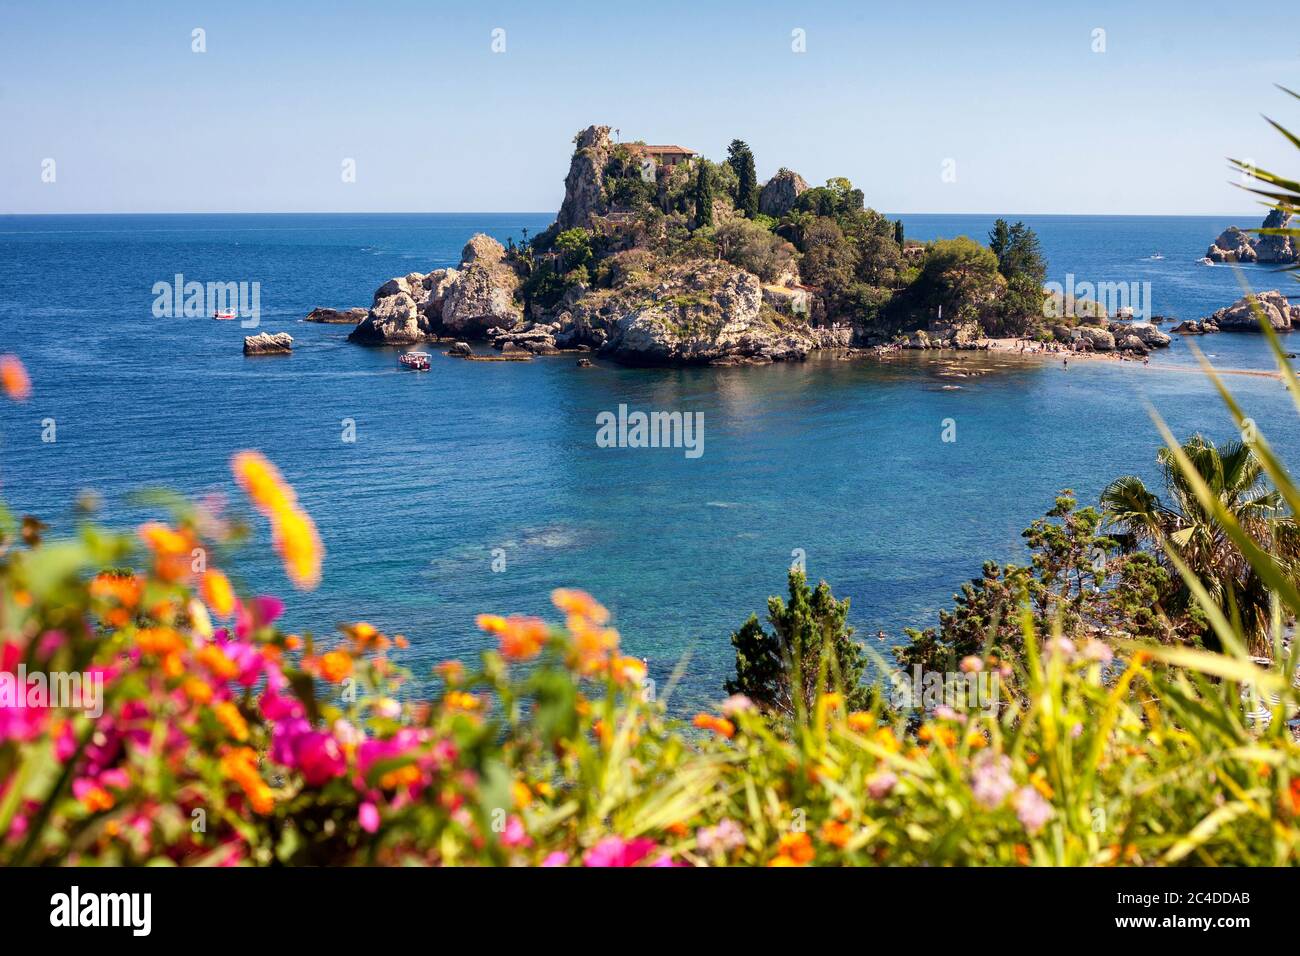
704 195
741 158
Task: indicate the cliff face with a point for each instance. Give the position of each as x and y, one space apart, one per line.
584 186
1234 245
778 196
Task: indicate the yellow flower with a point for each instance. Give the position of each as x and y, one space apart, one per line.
292 530
217 593
215 660
232 720
861 721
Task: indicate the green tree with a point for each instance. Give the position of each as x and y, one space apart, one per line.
741 159
810 647
1018 251
1180 522
704 195
961 276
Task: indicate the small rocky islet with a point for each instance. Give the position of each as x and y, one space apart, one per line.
659 257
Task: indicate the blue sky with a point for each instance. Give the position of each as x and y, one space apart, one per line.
1035 121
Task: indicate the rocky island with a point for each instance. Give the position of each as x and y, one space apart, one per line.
659 256
1235 245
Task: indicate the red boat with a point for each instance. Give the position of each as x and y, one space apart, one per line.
416 361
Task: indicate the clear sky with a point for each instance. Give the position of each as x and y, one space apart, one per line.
1013 93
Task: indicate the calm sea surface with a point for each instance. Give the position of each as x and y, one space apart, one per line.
843 460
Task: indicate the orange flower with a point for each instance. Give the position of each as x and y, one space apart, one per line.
521 638
835 833
159 641
1022 854
719 725
797 848
240 765
13 378
230 718
96 799
1295 796
627 670
451 671
199 691
212 657
594 646
172 550
861 721
335 666
217 593
579 604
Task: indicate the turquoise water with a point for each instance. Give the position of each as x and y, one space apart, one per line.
843 460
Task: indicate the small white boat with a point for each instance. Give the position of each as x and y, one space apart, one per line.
224 316
1205 261
1156 255
416 361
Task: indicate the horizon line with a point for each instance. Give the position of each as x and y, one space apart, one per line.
527 212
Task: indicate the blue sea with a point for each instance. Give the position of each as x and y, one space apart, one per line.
840 461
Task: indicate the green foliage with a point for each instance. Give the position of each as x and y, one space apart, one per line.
1181 523
741 159
961 276
750 246
809 651
704 194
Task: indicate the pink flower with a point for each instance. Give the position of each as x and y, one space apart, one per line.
991 780
515 834
319 758
724 837
368 817
881 785
615 851
556 858
1032 810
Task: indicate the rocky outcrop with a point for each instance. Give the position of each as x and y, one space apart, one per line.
394 319
1241 315
1234 245
267 343
696 312
538 338
1279 249
1138 336
468 301
482 294
584 186
780 192
336 316
1093 338
1192 327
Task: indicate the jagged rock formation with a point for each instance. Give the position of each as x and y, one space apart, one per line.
1233 245
336 316
266 343
584 187
780 192
468 301
1240 316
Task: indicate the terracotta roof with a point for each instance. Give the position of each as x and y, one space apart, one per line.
680 150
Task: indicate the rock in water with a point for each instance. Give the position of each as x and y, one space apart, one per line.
1234 245
1240 316
264 343
336 316
482 295
780 192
